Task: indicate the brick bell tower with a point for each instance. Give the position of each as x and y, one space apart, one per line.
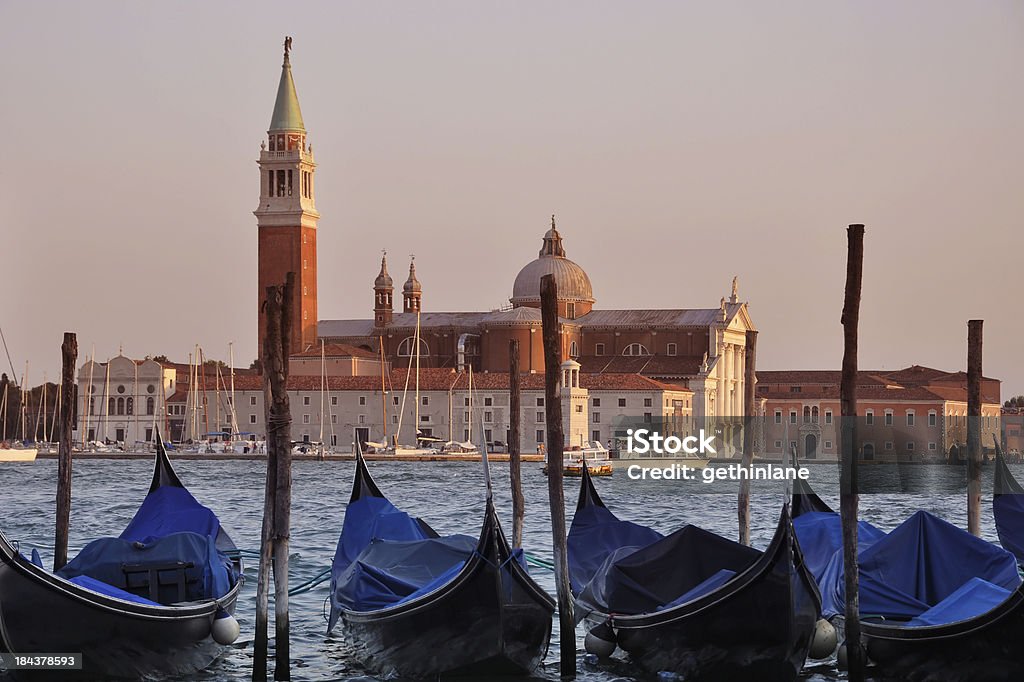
287 216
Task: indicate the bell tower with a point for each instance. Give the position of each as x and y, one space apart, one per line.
383 290
286 216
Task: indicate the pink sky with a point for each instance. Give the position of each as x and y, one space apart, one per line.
679 144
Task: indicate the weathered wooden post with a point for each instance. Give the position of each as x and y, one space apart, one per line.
69 355
848 486
749 424
974 423
556 495
277 495
282 423
514 460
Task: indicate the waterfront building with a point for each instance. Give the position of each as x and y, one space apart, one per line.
913 414
122 400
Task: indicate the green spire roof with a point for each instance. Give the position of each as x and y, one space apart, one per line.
287 115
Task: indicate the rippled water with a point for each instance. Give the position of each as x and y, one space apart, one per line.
450 497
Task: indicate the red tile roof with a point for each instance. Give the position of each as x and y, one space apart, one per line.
335 350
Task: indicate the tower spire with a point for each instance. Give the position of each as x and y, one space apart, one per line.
383 290
287 114
412 290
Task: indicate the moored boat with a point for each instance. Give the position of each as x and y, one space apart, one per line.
17 452
594 455
414 604
691 603
155 601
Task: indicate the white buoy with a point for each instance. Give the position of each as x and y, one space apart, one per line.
600 641
823 640
225 628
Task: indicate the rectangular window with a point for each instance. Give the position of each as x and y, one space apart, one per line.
931 446
622 402
362 400
910 445
597 417
540 417
334 400
828 416
270 179
671 349
396 400
424 418
869 417
597 402
394 419
648 402
778 443
424 400
252 419
466 402
595 436
305 419
488 417
599 349
289 182
487 436
648 417
362 419
540 402
305 400
792 416
910 418
488 402
795 389
778 420
252 400
828 445
888 445
579 409
931 418
540 436
280 183
334 419
888 418
465 417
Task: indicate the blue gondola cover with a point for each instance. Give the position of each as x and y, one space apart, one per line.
170 509
918 573
595 534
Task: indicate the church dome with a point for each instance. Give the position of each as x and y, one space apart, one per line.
572 281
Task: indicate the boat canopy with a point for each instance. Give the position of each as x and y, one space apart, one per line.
596 533
1008 509
925 572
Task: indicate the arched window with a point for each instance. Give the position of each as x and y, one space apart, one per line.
407 347
814 414
636 349
150 405
111 405
573 350
807 414
120 406
130 406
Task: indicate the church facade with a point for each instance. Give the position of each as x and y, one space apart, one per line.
702 352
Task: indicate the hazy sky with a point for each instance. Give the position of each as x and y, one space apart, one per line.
678 143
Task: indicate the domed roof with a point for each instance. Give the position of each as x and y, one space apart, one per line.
383 278
572 281
412 284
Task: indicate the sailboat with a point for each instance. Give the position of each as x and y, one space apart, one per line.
16 450
395 448
454 447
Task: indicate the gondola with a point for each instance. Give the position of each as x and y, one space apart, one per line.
1008 508
691 603
148 603
936 603
414 604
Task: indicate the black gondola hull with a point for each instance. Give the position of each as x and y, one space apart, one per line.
757 627
487 621
983 649
42 613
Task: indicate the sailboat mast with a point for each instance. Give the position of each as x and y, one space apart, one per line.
3 411
470 439
416 426
106 401
206 402
87 408
40 416
135 406
323 387
383 393
56 410
234 413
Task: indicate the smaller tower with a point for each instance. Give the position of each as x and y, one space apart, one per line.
412 292
383 291
574 405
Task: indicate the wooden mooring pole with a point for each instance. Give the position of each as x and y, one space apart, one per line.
749 424
277 494
69 355
974 424
848 486
514 459
556 495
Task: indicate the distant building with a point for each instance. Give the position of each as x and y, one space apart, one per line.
913 414
698 354
1013 432
122 400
